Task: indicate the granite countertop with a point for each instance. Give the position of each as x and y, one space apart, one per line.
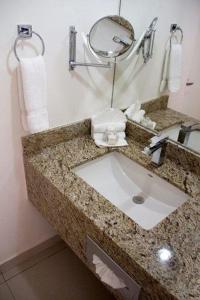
166 118
136 247
157 110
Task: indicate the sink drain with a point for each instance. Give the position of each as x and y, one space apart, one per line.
138 199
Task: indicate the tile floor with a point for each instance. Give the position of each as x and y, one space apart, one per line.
56 275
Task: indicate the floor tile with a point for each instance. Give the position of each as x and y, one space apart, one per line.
60 277
1 279
5 293
33 260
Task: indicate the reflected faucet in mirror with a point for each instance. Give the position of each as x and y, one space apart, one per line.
186 130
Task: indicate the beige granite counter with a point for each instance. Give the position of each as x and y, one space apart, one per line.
76 210
157 110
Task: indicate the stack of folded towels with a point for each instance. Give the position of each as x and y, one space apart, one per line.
108 128
135 113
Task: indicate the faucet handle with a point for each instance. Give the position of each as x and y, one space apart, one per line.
158 139
157 149
189 124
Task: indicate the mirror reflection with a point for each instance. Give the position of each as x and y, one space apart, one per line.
163 95
111 36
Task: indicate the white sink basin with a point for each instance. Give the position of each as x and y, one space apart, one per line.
119 179
194 138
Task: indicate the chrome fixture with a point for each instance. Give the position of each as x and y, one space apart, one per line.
26 32
156 149
185 131
147 43
113 39
173 29
109 38
72 53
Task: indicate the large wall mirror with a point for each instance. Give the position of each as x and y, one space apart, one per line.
164 94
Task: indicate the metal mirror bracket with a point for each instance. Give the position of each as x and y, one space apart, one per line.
72 53
149 41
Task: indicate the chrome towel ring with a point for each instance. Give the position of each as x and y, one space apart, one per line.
173 29
26 32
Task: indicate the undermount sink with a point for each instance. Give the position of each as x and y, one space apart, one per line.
193 141
144 197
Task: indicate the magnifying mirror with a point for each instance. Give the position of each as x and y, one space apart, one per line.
111 36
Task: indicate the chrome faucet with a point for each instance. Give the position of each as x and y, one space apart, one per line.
185 131
157 149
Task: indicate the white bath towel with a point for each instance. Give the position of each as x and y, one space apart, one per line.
32 94
175 67
163 83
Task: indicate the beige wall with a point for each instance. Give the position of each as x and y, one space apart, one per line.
71 97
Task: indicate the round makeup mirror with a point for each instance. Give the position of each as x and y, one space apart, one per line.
111 37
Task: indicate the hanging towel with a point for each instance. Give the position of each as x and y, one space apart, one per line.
175 68
32 94
163 83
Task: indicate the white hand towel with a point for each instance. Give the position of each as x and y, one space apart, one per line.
175 68
32 94
165 69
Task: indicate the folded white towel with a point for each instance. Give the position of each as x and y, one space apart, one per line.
138 116
111 115
32 94
103 136
131 110
109 139
120 126
108 128
101 128
135 113
175 68
119 143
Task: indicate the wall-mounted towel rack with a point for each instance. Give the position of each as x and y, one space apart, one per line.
26 32
174 28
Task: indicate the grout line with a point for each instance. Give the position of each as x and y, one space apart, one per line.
1 274
36 263
10 290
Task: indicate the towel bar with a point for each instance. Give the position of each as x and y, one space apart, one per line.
26 32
